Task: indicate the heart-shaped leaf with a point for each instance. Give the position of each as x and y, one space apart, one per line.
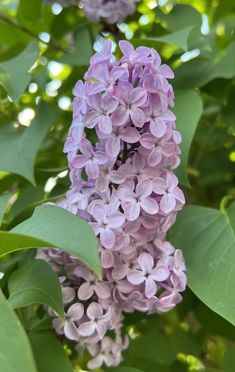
207 239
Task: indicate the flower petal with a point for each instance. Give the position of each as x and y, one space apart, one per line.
76 311
85 291
135 277
94 311
70 330
150 288
87 329
167 203
132 211
107 238
145 261
116 220
102 290
149 205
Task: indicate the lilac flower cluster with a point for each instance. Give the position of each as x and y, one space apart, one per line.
108 11
123 185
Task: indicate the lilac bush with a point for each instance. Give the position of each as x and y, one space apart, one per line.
123 185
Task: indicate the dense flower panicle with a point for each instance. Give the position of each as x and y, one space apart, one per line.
108 11
123 185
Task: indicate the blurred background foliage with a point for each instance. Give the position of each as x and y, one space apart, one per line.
44 50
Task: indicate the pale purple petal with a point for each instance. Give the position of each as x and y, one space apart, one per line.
150 288
135 277
87 329
132 211
75 311
116 220
120 116
167 203
130 135
158 128
160 273
102 290
125 194
107 238
94 311
85 291
144 188
70 330
137 117
145 261
149 205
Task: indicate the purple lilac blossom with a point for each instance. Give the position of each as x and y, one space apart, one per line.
130 197
108 11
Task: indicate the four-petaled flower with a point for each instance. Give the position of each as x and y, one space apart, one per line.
134 201
97 323
100 112
148 274
89 159
106 222
131 101
171 193
68 326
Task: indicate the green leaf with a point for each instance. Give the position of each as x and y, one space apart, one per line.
52 226
83 50
35 282
49 353
178 38
28 196
231 215
18 150
199 71
14 76
206 237
4 199
29 11
188 110
15 351
229 360
181 16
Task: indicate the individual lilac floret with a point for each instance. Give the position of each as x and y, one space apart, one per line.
108 11
124 186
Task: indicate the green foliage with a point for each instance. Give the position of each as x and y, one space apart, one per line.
42 55
49 353
35 283
4 199
52 226
207 240
18 148
14 76
188 109
15 350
